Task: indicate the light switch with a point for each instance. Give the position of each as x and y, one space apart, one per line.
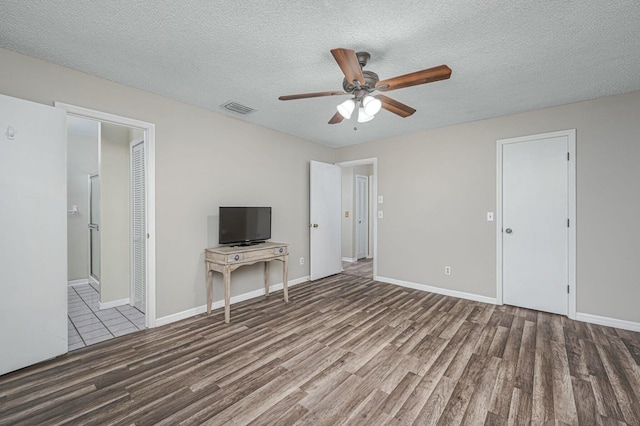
380 199
10 133
346 213
489 216
380 214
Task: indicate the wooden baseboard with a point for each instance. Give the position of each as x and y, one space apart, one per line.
113 304
81 281
609 322
438 290
220 303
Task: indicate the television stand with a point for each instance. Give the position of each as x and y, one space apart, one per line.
229 258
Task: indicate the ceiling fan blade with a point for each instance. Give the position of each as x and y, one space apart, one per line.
395 107
348 62
310 95
441 72
337 118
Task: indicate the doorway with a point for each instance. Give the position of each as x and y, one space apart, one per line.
327 217
120 262
359 212
536 222
362 217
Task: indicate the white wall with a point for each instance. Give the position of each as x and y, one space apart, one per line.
82 160
439 184
203 160
115 236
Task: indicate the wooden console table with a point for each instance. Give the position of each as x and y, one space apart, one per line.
227 259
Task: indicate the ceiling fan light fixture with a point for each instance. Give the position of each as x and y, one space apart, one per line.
346 108
371 105
363 117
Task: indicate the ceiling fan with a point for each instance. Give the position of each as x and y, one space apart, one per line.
361 84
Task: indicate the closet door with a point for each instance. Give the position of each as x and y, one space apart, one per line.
139 227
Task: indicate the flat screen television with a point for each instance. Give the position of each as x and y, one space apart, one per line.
244 225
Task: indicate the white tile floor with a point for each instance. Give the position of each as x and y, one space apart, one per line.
87 324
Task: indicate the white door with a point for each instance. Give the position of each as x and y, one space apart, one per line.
33 233
324 214
535 223
139 227
362 217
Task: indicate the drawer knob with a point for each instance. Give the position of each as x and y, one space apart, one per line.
236 257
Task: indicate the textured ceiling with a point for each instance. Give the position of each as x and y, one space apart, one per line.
507 56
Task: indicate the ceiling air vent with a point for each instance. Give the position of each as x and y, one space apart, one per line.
237 108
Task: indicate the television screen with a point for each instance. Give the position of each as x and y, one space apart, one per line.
244 225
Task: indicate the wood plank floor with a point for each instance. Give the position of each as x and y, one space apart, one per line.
345 350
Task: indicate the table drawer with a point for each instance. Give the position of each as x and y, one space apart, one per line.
235 257
280 250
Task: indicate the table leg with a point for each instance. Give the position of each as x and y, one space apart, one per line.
266 278
285 277
209 291
227 294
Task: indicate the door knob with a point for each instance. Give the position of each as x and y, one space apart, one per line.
315 225
508 230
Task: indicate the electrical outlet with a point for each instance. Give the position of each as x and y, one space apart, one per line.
489 216
380 199
447 270
380 214
302 260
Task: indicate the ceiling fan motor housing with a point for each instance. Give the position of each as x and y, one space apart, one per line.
370 80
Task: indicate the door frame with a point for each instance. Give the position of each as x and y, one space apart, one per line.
356 209
373 161
149 146
89 209
571 211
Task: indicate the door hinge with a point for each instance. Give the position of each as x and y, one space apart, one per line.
568 156
568 223
567 289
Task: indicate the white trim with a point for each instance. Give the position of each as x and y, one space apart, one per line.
220 303
94 281
184 314
372 203
112 304
374 162
150 155
81 281
438 290
571 211
349 259
89 176
572 207
609 322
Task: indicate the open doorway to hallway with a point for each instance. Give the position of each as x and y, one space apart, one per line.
357 219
